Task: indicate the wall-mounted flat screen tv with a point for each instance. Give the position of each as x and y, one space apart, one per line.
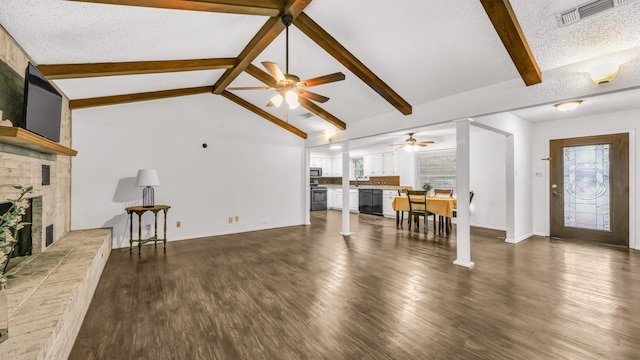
42 105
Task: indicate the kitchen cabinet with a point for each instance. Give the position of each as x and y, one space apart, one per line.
315 162
379 164
387 199
337 199
330 198
336 166
388 163
367 161
353 200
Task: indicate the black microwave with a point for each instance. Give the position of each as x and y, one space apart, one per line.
315 172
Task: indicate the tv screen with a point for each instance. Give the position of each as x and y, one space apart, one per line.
42 105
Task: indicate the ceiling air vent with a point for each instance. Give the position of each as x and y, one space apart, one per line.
586 10
306 115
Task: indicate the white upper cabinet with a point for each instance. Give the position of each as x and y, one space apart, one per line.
379 164
389 163
315 162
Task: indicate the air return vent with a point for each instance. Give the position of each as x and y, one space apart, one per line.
306 115
586 10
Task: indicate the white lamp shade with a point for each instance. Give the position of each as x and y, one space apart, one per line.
147 177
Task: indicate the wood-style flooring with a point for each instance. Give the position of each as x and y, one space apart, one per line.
306 292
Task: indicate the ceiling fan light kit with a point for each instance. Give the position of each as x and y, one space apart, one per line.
289 86
411 144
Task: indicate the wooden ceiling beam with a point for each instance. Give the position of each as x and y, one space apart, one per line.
340 53
245 7
320 112
74 71
307 104
506 24
269 31
247 105
129 98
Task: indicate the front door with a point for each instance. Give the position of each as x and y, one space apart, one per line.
589 179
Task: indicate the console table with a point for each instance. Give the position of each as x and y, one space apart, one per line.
140 210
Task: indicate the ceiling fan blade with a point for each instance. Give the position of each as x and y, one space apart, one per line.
274 70
323 79
251 88
397 144
270 104
425 143
313 96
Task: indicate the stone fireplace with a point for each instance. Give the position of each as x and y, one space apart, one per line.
24 165
29 237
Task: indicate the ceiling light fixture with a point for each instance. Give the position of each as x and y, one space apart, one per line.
603 73
568 105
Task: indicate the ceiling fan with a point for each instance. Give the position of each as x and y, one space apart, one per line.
289 86
412 144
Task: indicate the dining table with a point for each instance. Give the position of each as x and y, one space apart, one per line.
441 206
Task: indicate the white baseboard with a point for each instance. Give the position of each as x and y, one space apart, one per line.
521 238
540 234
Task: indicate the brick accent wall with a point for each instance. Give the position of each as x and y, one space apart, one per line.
19 166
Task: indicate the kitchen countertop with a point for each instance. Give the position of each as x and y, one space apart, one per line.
380 187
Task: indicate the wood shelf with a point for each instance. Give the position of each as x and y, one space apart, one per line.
26 139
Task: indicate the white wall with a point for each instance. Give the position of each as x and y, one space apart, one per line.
488 180
251 168
523 199
610 123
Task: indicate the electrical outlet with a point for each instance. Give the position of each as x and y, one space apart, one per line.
147 227
230 220
237 218
178 224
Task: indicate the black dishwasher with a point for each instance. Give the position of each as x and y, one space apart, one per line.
370 201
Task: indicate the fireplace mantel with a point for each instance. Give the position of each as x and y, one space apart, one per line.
26 139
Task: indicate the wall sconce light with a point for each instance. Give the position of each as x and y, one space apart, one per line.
604 72
568 105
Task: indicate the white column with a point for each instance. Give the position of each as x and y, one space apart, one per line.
306 195
463 232
345 189
510 184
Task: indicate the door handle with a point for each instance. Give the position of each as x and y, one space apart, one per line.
554 192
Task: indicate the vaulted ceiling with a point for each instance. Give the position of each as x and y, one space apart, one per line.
395 55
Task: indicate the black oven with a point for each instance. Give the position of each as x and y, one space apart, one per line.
315 172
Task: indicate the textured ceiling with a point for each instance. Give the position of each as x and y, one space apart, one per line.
425 50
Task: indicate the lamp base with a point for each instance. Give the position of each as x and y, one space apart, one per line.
147 197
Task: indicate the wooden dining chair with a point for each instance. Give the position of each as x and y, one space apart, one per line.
400 193
444 222
418 207
455 211
443 192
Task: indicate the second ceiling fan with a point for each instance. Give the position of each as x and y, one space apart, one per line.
411 144
289 86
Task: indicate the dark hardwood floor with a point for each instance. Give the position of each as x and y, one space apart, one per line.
305 292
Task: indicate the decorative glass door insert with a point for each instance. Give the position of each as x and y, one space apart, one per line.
586 187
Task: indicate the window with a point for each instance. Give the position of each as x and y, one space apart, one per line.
358 167
437 167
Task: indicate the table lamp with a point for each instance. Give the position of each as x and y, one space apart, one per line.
147 178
